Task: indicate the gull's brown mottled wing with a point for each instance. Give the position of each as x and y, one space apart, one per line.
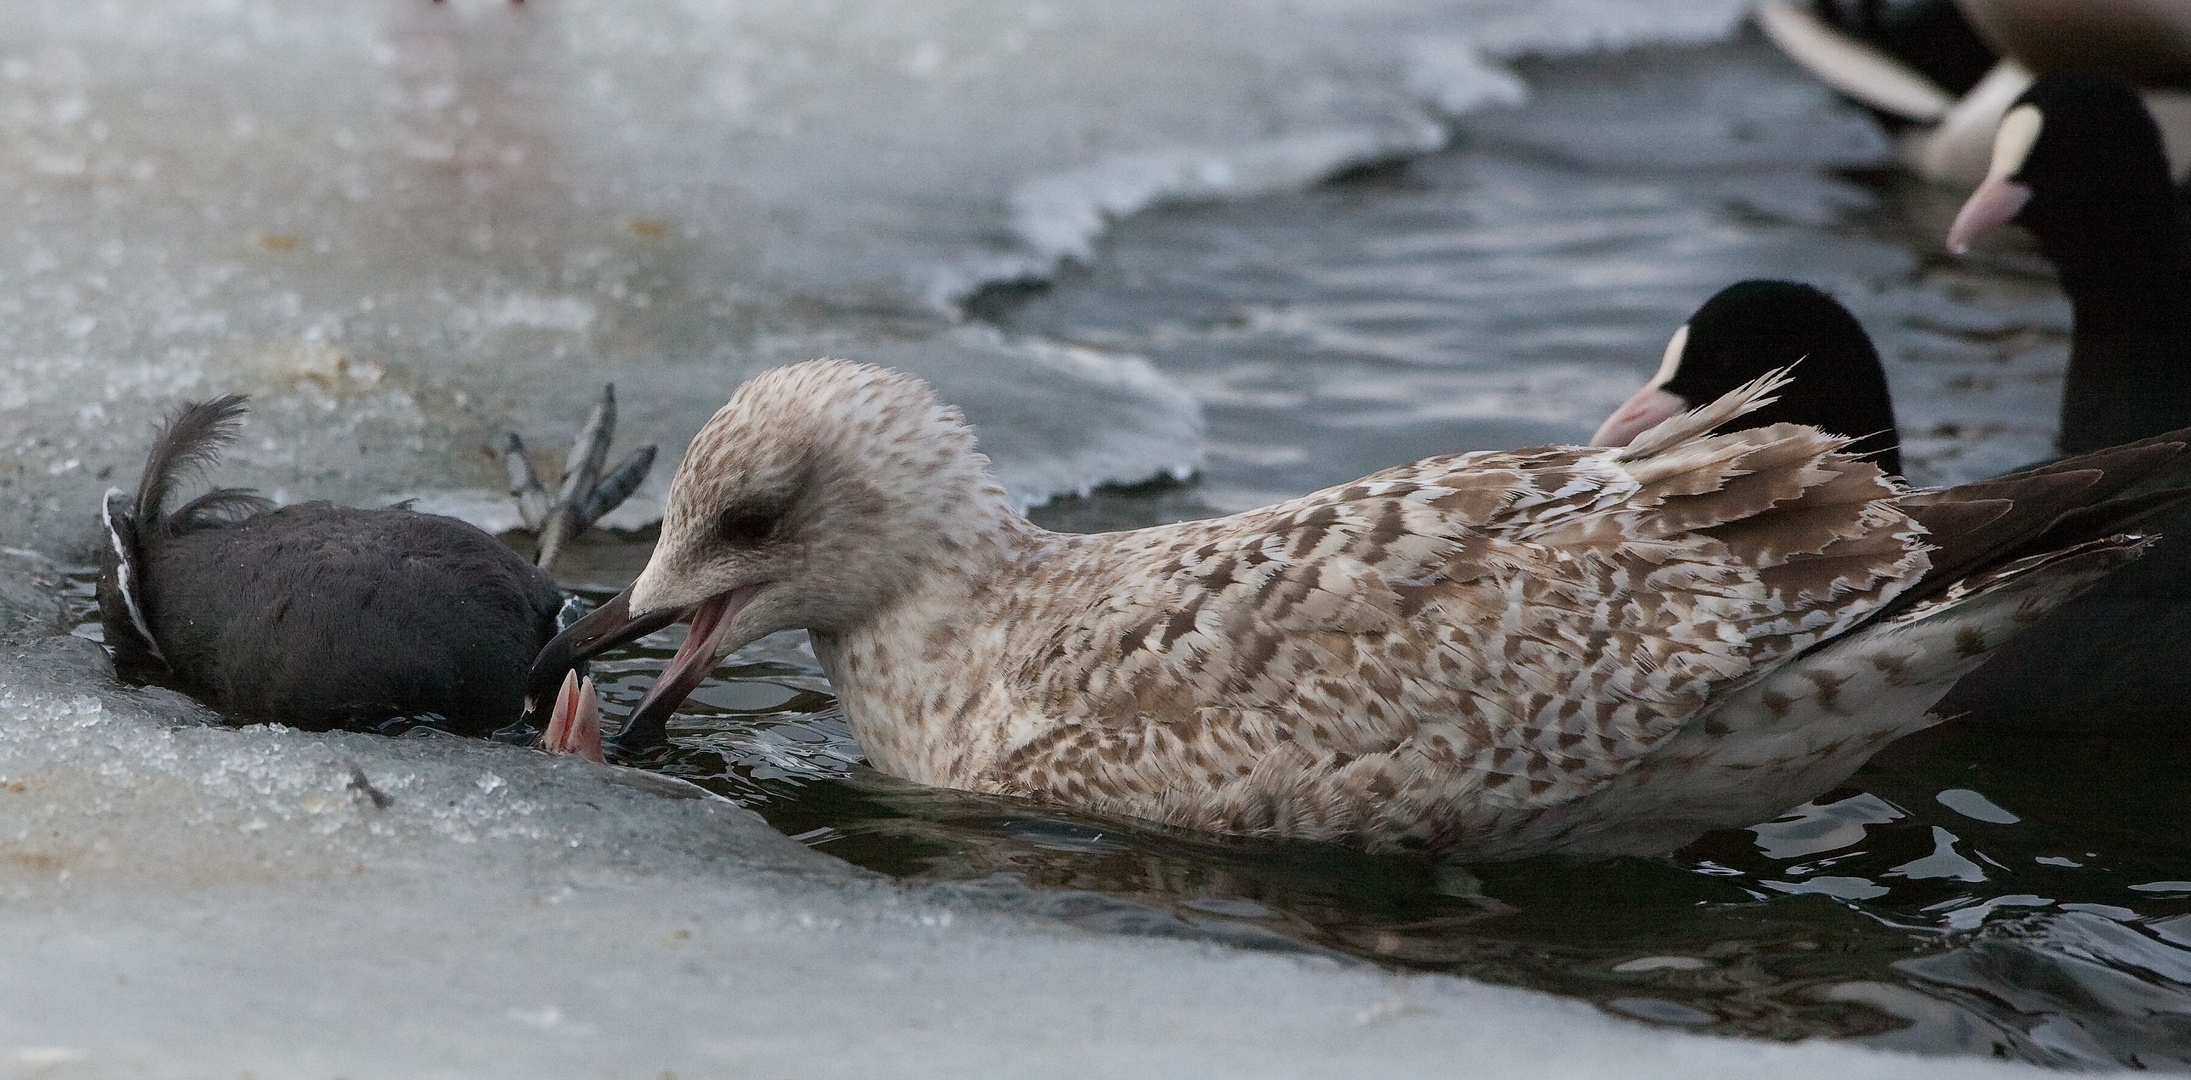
1529 624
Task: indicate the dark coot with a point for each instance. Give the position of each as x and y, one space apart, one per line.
2078 161
1753 327
315 615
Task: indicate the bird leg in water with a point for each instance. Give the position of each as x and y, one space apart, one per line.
575 725
588 492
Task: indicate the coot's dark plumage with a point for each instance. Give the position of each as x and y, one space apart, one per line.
2112 656
1753 327
1931 36
2078 161
315 615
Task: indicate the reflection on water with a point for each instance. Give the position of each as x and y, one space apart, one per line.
2015 896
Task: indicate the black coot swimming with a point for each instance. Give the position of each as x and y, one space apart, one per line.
2079 162
1752 327
321 616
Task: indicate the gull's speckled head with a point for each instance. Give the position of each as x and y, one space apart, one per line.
820 486
819 494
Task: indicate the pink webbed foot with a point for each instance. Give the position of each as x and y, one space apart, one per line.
575 725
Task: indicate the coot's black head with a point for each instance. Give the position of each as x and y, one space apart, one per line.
2079 161
1754 327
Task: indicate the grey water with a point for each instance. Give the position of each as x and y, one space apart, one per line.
1514 288
2021 895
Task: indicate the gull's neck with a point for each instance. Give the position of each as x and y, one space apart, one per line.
917 676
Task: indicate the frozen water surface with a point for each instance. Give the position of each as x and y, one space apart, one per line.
406 228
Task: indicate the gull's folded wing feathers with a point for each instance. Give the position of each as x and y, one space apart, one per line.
1542 618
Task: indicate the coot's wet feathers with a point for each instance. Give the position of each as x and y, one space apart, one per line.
316 615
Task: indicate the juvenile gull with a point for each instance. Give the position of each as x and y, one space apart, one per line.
1491 655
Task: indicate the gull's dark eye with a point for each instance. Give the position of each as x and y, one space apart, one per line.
745 528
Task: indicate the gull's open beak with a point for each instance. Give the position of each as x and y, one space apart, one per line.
603 629
1646 409
611 625
1997 201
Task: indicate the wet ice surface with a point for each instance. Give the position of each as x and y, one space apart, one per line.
406 228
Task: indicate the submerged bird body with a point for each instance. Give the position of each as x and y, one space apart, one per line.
1496 654
316 616
2078 161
